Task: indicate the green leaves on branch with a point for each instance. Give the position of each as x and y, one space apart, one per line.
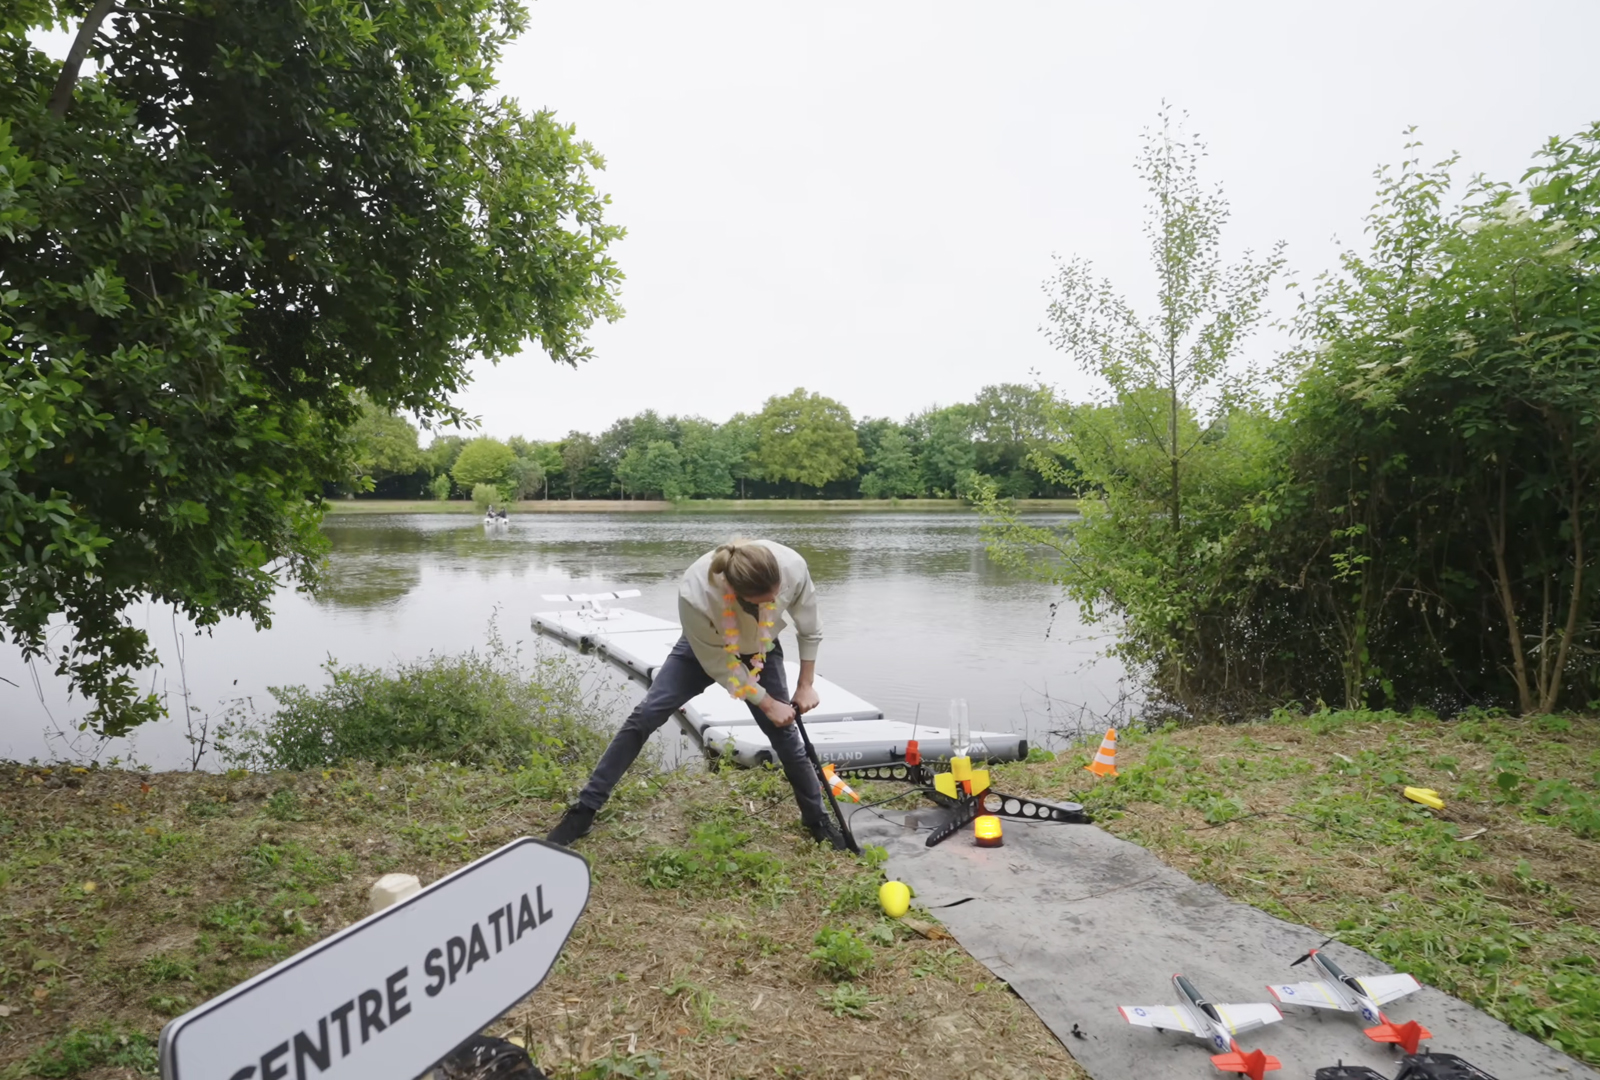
254 224
1414 522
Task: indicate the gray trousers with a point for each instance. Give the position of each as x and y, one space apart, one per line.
677 682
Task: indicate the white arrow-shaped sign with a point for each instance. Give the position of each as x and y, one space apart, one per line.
396 992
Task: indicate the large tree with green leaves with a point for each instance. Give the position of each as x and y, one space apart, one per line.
252 217
807 439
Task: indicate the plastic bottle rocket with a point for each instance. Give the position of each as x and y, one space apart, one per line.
960 728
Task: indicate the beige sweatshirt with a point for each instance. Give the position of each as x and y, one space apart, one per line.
700 607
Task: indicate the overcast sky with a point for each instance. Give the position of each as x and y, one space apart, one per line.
863 198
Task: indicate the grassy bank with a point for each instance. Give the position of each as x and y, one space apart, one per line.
129 898
1496 899
701 506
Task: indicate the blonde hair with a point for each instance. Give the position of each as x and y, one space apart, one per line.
749 568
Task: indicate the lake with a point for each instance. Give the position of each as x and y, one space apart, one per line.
914 614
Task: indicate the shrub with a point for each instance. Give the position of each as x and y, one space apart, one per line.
475 708
484 494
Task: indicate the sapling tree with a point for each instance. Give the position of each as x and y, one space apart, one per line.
1171 433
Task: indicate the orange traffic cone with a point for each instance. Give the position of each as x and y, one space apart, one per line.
1105 759
836 784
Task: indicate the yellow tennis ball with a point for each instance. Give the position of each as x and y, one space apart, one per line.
894 898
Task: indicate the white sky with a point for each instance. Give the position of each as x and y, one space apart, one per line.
863 198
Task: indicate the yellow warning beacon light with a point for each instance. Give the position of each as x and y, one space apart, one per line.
986 831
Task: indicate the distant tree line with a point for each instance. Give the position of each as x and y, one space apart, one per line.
800 445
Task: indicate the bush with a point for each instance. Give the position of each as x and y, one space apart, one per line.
440 487
475 708
484 494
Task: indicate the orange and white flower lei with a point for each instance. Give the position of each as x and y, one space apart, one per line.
730 631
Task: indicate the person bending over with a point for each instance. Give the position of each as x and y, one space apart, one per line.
732 603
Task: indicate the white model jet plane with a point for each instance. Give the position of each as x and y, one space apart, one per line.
1216 1024
1364 995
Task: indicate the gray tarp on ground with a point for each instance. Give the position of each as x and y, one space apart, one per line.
1079 922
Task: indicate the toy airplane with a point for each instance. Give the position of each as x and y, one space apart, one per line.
591 601
1337 990
1216 1024
966 792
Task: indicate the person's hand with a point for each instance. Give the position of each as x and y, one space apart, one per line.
781 713
805 699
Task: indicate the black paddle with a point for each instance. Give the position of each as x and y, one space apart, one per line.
827 788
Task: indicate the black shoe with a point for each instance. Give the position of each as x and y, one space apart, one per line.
826 832
574 824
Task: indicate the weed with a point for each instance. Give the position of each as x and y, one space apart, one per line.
82 1049
943 964
284 805
162 968
847 999
841 954
624 1067
716 856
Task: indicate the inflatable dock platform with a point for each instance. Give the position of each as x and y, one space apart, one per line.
844 728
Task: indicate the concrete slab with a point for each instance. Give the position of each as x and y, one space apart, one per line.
1079 922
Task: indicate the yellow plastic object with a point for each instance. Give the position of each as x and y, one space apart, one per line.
1426 796
980 781
945 784
961 768
895 898
986 831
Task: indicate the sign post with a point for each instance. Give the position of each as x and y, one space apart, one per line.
396 992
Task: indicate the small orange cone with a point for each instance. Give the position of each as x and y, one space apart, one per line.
1105 759
836 784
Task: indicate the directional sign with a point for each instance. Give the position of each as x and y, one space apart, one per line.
396 992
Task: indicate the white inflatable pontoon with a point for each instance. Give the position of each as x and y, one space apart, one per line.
843 727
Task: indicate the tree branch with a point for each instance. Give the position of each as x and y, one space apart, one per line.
61 97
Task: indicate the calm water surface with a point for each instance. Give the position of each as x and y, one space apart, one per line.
914 614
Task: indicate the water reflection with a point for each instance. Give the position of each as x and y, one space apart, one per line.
914 611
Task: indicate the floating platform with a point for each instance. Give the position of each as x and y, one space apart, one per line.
844 728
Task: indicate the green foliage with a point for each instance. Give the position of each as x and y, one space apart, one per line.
841 954
486 495
250 221
384 446
806 439
715 858
848 999
488 462
82 1049
477 708
617 1066
893 468
1173 448
1412 522
653 469
440 487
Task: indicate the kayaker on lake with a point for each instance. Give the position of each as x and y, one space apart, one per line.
731 603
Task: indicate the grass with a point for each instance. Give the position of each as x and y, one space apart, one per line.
702 506
129 898
1496 899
